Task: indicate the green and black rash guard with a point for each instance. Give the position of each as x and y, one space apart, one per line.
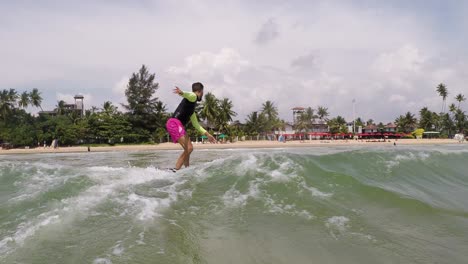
185 112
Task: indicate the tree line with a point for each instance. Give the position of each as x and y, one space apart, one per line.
145 115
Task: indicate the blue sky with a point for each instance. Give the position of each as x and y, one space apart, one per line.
388 55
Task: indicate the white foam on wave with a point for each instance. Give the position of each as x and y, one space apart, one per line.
460 149
305 214
37 178
106 169
409 156
277 208
118 249
406 156
200 171
339 223
314 191
141 238
49 166
285 172
28 229
143 207
424 155
248 163
391 163
365 236
102 261
4 244
234 198
286 209
110 184
147 206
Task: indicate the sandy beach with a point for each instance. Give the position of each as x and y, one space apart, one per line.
240 144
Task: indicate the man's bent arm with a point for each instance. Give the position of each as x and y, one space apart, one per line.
195 123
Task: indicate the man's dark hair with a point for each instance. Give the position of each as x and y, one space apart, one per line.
197 87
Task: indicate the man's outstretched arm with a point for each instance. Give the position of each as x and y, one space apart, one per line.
200 129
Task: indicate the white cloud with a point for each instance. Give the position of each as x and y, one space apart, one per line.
223 66
268 32
396 98
313 53
120 87
248 85
405 59
307 62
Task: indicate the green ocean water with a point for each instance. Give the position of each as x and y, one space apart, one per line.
309 205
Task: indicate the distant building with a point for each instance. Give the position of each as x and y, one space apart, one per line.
49 113
320 126
297 111
351 127
370 129
79 104
390 127
77 107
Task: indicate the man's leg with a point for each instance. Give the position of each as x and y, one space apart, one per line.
189 145
184 141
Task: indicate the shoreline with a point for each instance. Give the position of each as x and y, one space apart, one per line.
262 144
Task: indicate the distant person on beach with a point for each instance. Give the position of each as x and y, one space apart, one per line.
184 114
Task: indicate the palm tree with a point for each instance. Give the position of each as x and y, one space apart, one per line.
60 107
460 98
340 120
302 123
7 102
280 124
460 120
74 117
446 123
400 122
310 113
322 112
24 100
442 90
308 118
406 123
210 109
94 109
270 111
337 124
427 119
226 113
359 122
411 121
161 114
452 108
36 99
109 109
253 123
381 127
13 95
